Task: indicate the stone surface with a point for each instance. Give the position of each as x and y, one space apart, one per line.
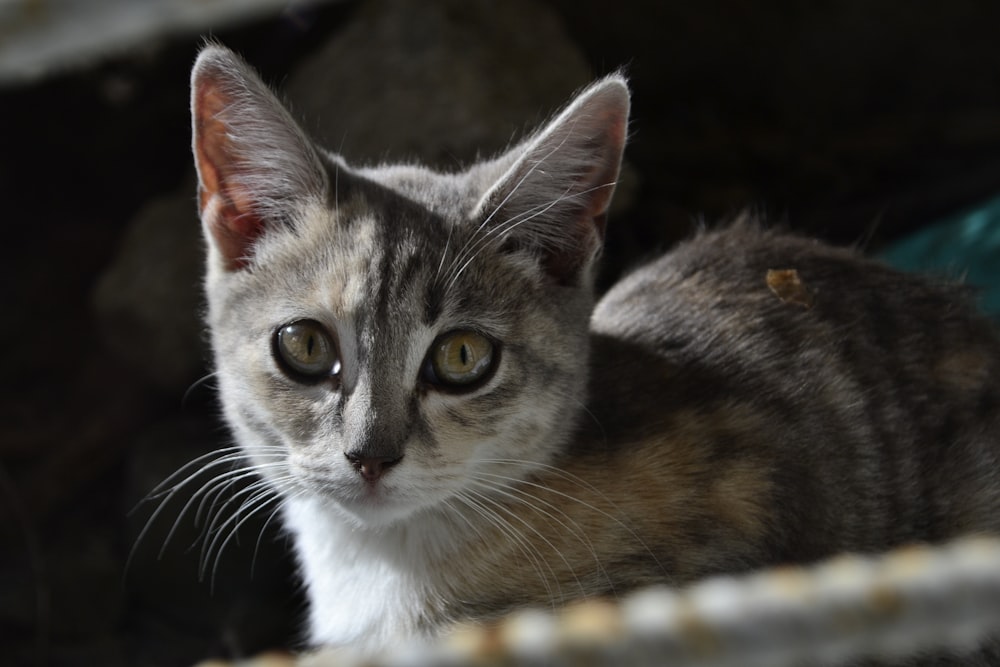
148 301
436 81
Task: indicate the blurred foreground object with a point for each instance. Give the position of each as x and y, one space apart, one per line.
42 37
909 602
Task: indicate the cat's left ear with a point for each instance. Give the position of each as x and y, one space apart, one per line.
553 198
255 165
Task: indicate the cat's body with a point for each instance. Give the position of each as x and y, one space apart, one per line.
413 361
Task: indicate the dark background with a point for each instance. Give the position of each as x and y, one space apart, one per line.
856 121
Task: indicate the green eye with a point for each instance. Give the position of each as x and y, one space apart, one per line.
306 351
459 359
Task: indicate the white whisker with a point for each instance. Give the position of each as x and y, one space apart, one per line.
218 511
514 515
501 231
162 487
206 495
260 536
231 477
509 486
444 254
168 494
253 505
475 502
579 481
194 385
503 202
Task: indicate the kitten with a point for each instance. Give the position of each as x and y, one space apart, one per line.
414 363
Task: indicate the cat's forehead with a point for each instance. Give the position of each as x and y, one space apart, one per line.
393 244
371 251
450 197
349 258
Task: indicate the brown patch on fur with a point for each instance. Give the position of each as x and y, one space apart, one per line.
668 505
582 521
737 498
715 468
787 285
963 370
742 490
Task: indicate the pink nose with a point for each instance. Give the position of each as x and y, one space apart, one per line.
372 467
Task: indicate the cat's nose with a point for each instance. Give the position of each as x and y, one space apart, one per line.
371 467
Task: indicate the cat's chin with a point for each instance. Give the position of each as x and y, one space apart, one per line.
380 514
378 508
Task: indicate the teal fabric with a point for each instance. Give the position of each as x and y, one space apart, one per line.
965 247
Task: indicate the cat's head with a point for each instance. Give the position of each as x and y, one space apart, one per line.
391 338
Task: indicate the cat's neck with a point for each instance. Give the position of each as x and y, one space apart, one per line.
368 586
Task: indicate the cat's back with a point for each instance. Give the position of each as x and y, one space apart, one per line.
780 284
769 300
873 396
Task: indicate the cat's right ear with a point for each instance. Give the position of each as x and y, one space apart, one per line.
255 165
553 197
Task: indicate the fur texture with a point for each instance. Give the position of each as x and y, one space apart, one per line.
694 422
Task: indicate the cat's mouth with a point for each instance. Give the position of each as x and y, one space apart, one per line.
376 501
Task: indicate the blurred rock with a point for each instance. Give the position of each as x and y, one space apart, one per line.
437 81
148 302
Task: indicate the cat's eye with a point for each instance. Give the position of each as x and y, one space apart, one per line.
460 359
307 351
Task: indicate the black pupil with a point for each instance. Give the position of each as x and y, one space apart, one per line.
309 345
464 354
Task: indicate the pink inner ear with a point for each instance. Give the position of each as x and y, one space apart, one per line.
615 122
588 227
224 203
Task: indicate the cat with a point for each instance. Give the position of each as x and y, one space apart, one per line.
415 365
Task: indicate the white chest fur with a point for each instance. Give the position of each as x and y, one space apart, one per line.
368 589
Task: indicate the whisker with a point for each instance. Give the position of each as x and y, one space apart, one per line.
579 481
175 483
517 538
506 510
160 489
260 536
537 504
246 497
476 246
503 202
501 231
168 495
444 254
212 488
593 417
214 526
254 505
194 385
233 476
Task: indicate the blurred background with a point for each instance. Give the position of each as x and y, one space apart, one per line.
874 123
